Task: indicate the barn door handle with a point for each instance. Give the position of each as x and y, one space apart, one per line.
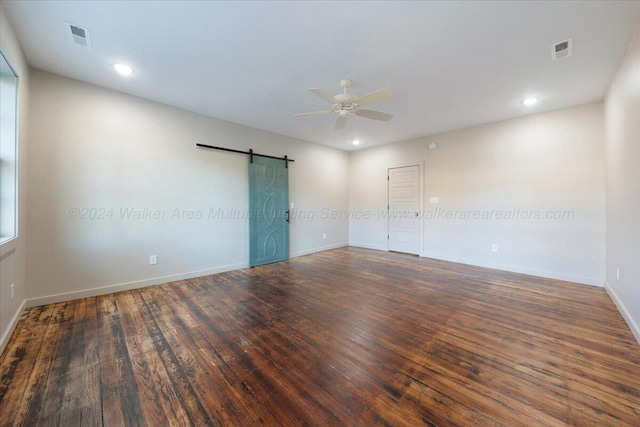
287 215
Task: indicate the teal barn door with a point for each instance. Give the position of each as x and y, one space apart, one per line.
269 215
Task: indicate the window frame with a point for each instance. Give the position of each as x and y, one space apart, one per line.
9 243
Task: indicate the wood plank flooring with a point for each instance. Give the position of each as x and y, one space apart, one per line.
343 337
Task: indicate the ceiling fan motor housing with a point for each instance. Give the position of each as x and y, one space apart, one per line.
347 104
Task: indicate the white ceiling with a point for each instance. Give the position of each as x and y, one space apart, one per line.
451 64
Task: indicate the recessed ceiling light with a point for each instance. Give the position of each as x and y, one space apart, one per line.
125 70
530 101
356 142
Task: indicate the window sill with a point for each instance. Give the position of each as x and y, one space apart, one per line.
8 245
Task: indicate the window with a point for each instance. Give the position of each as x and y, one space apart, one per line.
8 164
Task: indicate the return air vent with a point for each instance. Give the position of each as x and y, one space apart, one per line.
561 49
79 35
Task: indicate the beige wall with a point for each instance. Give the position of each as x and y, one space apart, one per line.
622 112
96 149
12 254
544 162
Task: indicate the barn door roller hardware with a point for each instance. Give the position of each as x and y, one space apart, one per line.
249 153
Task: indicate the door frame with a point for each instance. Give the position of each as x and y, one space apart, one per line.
421 178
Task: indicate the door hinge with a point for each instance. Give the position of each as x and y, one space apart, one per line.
387 236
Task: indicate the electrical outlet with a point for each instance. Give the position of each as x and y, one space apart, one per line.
324 235
153 259
494 248
13 291
293 206
618 273
434 200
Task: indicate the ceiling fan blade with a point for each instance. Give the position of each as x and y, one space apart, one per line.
375 115
313 112
375 96
324 95
341 122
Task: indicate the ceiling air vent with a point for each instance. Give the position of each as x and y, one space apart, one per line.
561 49
79 35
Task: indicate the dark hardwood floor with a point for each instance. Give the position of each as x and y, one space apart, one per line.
344 337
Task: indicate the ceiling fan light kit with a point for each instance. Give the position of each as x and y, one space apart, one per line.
346 104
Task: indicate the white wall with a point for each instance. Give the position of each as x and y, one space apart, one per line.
622 112
93 148
544 162
12 254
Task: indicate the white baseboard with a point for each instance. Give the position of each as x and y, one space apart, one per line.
517 269
85 293
319 249
12 326
101 290
368 246
635 329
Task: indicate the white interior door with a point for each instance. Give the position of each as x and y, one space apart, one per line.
404 209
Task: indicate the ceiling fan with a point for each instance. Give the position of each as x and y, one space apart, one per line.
346 103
